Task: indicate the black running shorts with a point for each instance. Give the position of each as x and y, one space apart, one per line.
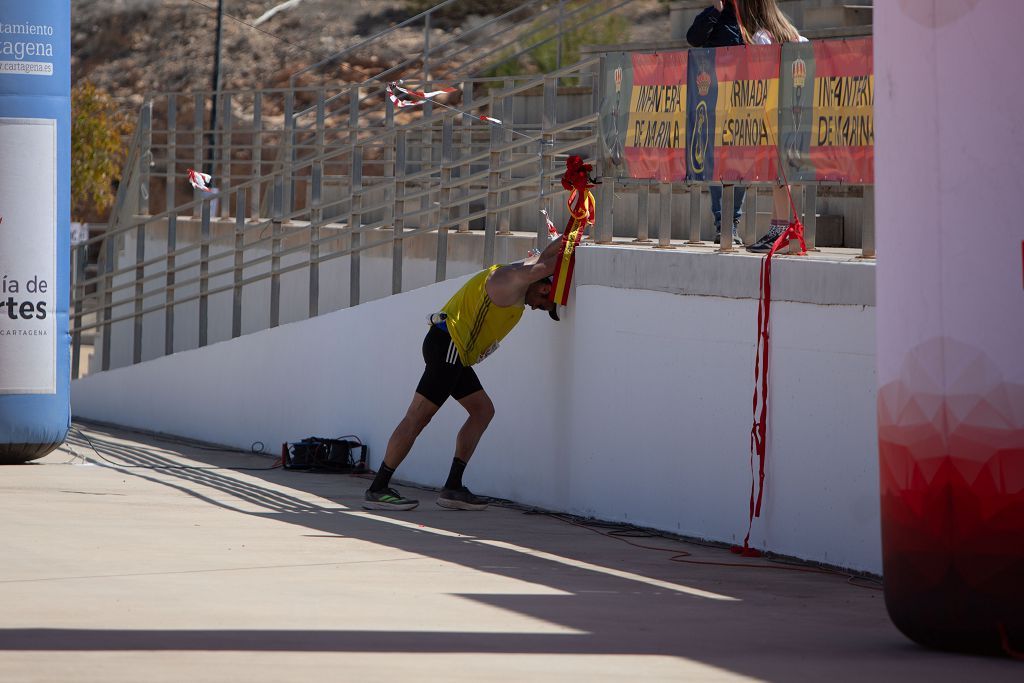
445 375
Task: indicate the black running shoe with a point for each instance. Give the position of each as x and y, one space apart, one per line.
388 499
461 499
764 245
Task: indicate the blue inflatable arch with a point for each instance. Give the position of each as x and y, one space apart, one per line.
35 199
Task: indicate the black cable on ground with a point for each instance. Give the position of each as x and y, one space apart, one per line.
625 532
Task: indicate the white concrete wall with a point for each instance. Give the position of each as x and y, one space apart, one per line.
636 407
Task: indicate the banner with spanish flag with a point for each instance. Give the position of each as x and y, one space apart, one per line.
746 115
729 113
655 134
843 128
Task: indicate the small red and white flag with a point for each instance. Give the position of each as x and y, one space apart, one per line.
199 180
403 97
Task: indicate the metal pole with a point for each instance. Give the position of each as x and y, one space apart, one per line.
216 83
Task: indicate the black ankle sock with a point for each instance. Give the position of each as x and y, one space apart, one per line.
383 478
455 475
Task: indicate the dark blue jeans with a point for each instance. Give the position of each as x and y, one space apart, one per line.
716 203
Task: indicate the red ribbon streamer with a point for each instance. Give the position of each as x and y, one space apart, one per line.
759 430
576 179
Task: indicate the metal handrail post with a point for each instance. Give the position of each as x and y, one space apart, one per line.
426 46
605 229
725 226
867 237
353 115
355 220
204 270
140 273
426 164
643 218
145 155
811 216
467 144
665 216
238 271
493 184
289 152
81 256
172 232
277 205
508 109
107 297
695 214
257 152
316 213
549 119
798 206
748 224
447 158
561 33
225 155
401 159
199 104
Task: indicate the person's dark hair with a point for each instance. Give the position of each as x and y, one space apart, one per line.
553 311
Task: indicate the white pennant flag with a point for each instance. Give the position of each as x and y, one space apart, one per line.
200 181
403 97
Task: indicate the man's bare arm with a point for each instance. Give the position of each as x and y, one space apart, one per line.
509 283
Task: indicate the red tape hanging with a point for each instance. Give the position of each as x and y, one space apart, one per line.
759 429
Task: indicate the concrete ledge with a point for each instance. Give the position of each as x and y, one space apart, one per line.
815 279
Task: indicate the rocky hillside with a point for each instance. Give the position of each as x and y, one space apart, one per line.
131 47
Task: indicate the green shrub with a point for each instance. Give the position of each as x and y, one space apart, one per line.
97 151
607 30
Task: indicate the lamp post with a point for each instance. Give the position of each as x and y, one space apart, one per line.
212 138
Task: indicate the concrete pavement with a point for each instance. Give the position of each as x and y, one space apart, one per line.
129 557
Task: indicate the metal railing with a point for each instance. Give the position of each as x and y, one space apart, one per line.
165 279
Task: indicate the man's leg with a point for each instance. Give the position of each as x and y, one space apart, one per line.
380 496
481 412
418 416
455 495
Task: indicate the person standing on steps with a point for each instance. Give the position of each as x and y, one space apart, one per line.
761 22
464 332
716 26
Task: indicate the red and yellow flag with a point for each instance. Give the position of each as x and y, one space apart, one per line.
581 215
582 207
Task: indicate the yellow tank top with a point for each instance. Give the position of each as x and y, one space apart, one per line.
475 323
